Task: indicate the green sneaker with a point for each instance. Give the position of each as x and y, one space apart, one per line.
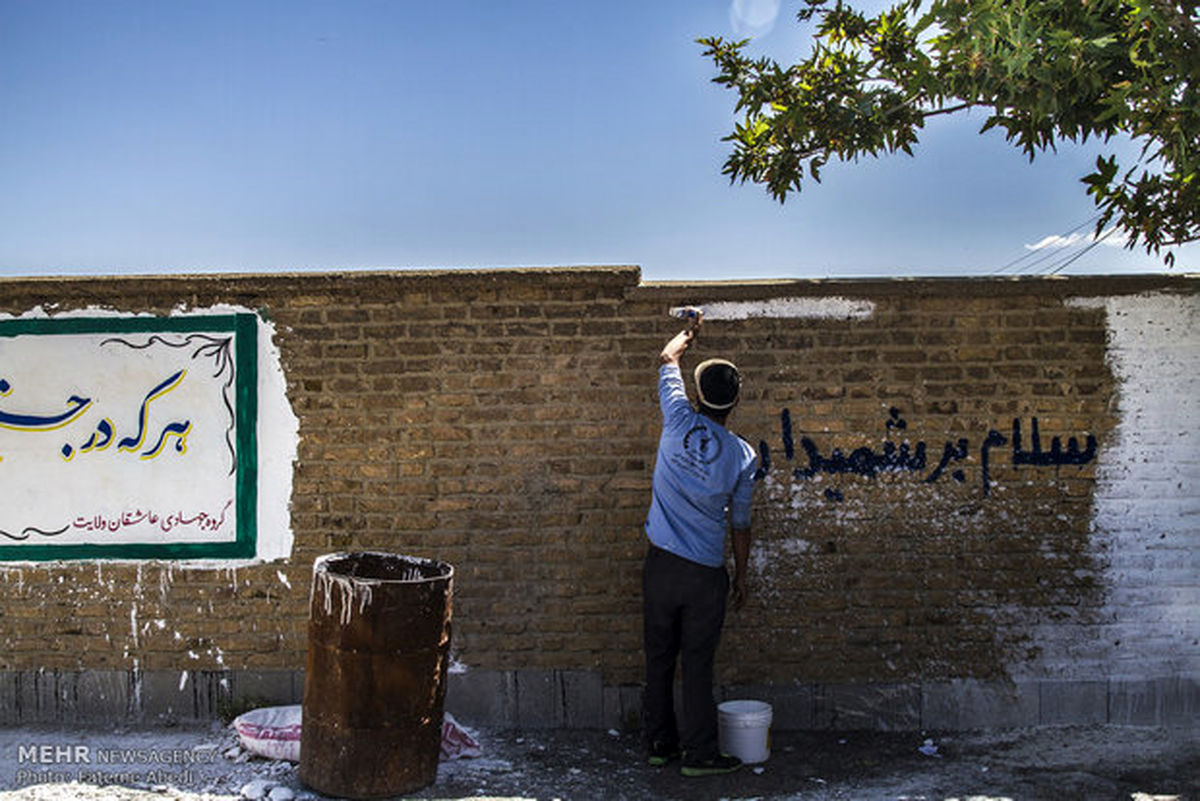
713 766
662 754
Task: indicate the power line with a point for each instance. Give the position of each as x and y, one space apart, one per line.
1095 241
1038 256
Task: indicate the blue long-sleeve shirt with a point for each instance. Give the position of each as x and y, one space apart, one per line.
703 479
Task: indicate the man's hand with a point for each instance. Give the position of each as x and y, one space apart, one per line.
738 594
741 555
673 351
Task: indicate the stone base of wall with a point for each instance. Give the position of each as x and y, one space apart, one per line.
578 699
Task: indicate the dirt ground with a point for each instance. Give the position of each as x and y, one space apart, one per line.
199 764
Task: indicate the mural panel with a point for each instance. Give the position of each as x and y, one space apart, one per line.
128 437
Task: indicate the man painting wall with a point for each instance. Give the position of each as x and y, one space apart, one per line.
702 487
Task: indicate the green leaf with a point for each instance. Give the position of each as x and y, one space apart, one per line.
1048 72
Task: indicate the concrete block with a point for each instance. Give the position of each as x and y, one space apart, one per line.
539 700
482 697
577 699
20 697
268 687
160 695
879 707
1172 701
582 699
210 694
9 711
43 696
1181 701
101 695
964 704
793 707
1072 702
791 704
214 692
1135 702
623 708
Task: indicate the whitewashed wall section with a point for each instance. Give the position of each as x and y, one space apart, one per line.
137 437
1146 513
834 308
1145 518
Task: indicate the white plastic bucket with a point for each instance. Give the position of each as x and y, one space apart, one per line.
745 730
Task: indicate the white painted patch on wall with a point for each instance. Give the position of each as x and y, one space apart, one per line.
1146 511
278 430
766 556
835 308
278 445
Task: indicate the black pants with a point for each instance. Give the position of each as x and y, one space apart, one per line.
683 612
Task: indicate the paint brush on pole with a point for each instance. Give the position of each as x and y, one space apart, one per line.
693 315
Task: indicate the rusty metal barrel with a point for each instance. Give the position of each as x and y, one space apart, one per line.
375 681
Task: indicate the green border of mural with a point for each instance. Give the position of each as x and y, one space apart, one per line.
244 328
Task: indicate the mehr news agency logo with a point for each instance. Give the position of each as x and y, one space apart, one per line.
41 763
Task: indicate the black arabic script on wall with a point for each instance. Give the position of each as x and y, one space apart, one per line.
907 457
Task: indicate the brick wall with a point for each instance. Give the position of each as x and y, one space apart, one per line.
506 422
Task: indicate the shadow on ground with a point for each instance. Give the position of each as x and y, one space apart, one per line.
1096 762
1044 763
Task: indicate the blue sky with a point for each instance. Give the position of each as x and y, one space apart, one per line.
181 136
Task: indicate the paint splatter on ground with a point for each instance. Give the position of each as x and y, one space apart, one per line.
1069 762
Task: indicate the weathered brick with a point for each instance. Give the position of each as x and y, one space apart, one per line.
507 421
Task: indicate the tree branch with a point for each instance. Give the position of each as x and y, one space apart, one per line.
950 110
